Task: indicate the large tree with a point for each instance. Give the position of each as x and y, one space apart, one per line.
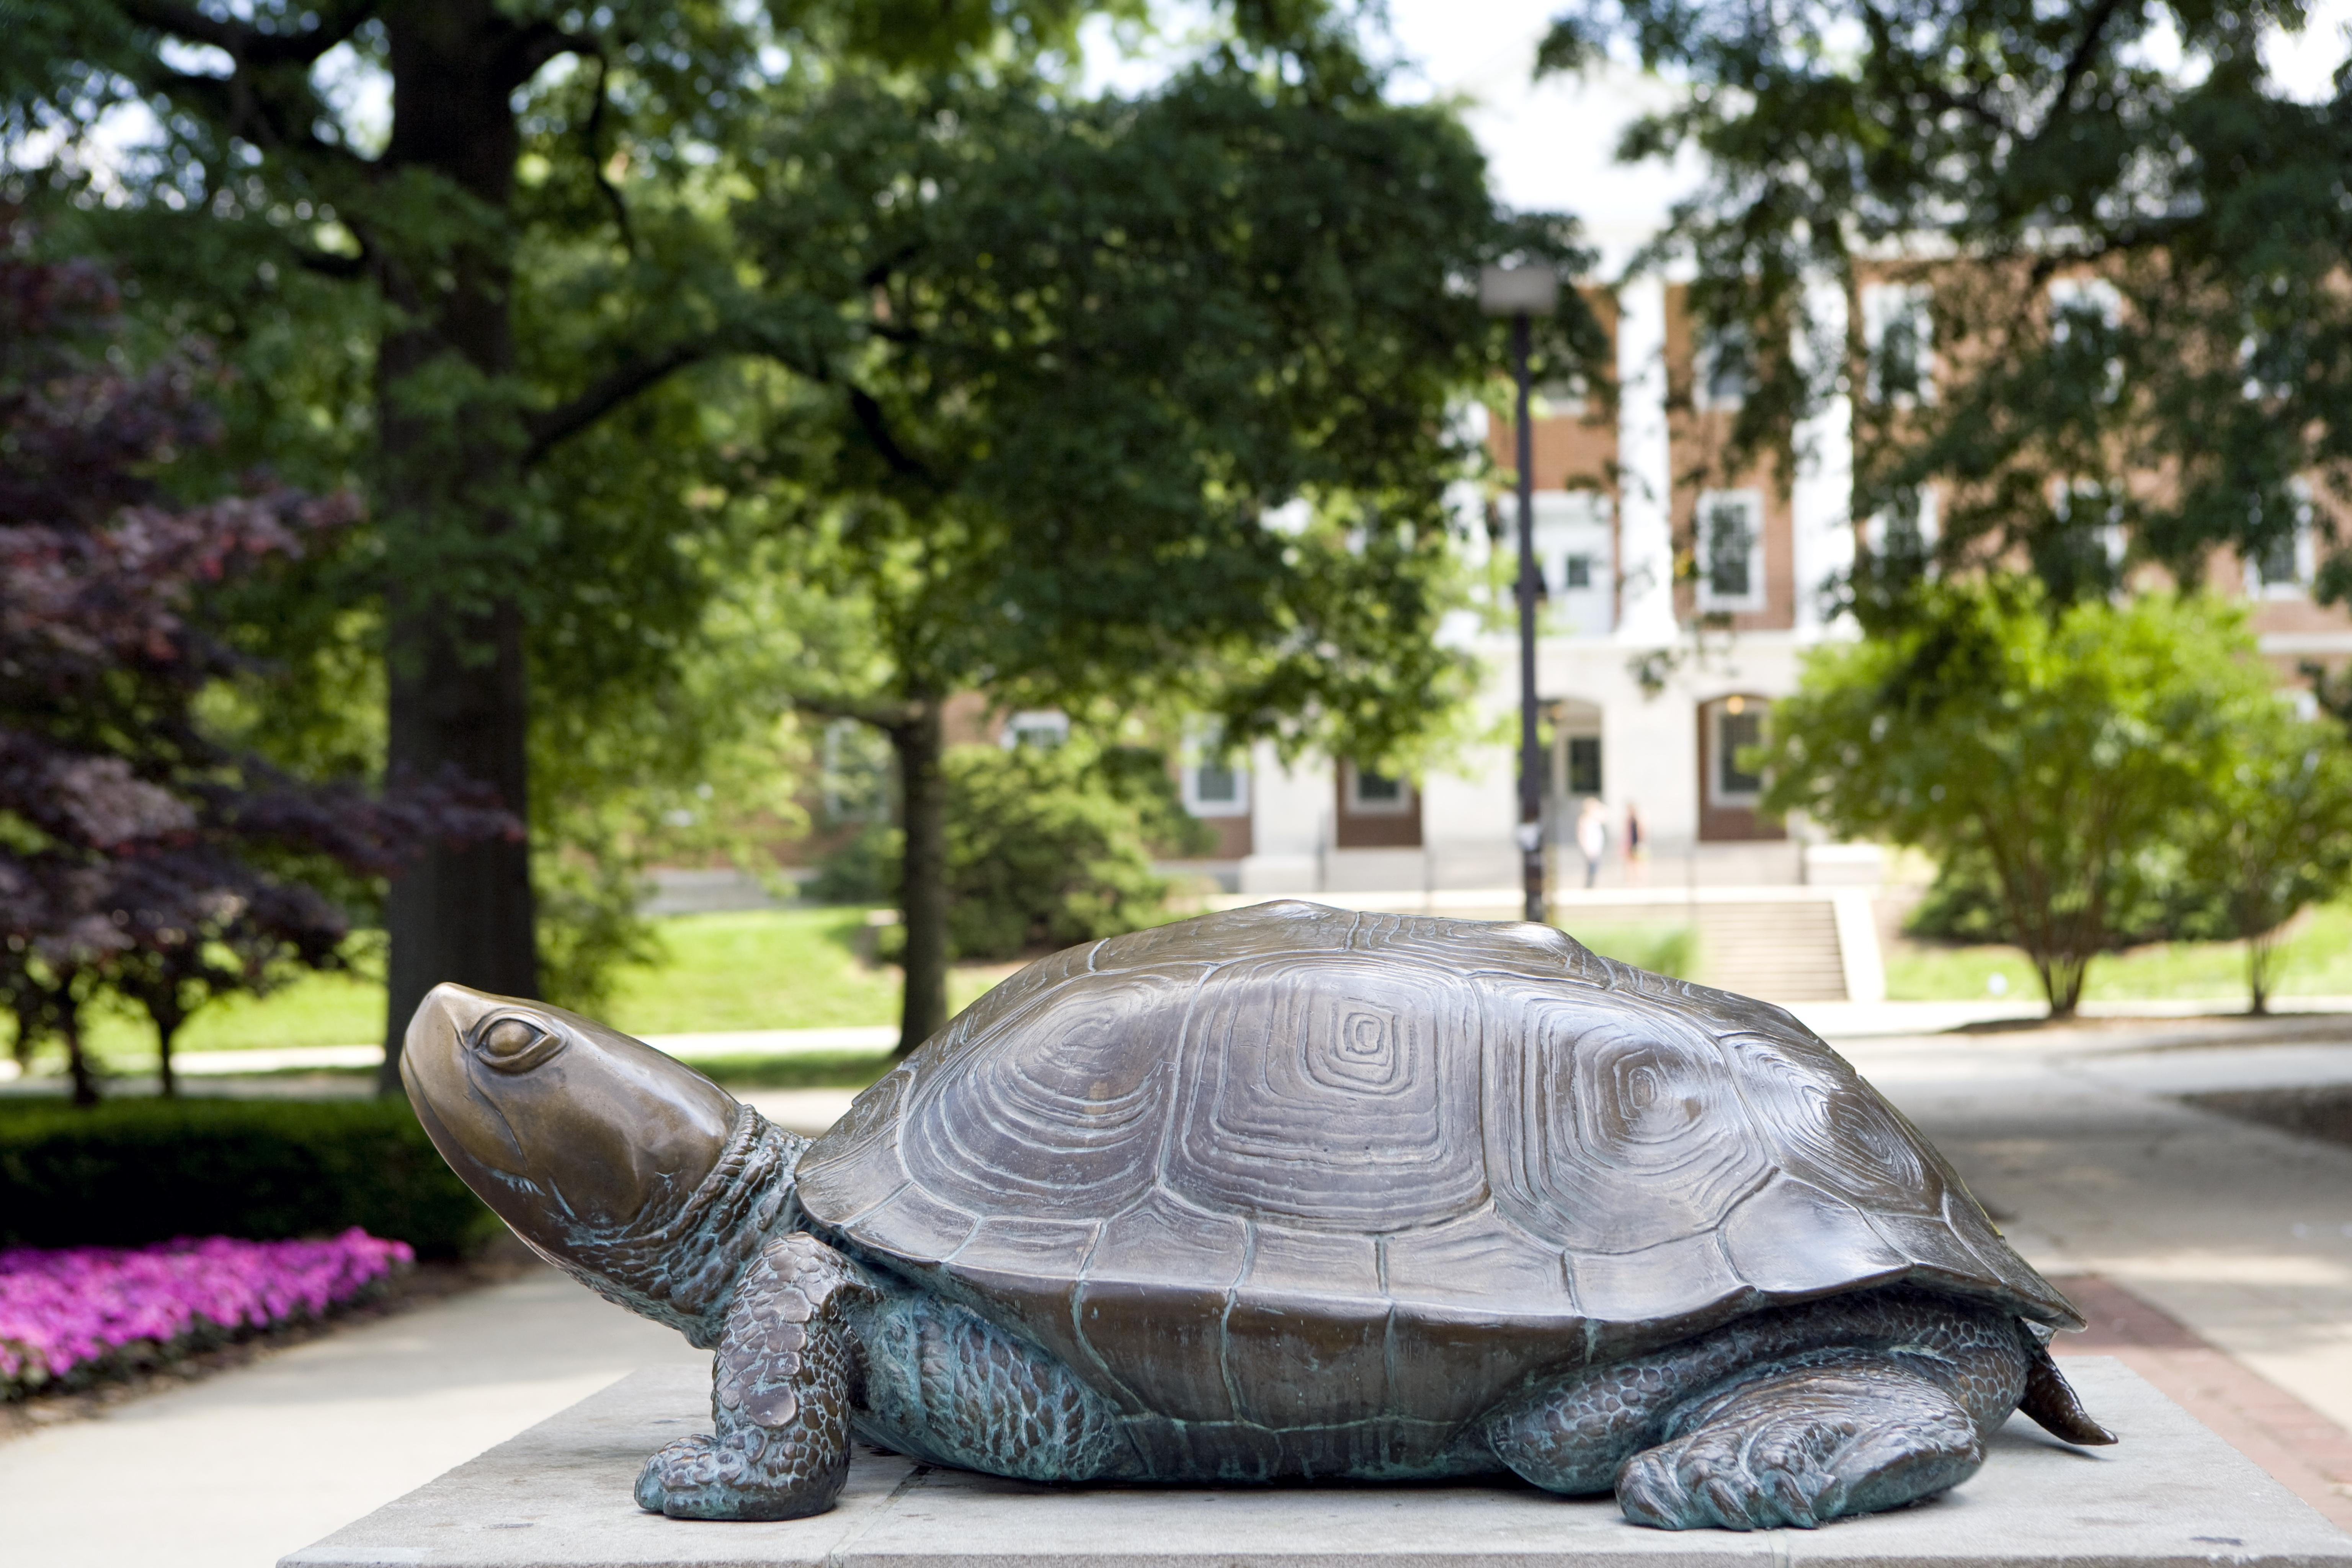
140 852
2129 240
451 297
1151 403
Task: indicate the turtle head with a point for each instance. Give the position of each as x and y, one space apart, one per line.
564 1127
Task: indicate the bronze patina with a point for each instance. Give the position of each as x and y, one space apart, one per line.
1286 1192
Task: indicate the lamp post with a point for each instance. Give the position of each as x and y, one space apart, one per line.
1523 293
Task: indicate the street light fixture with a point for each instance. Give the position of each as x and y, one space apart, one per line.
1522 293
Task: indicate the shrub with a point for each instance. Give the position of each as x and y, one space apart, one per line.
129 1172
2059 755
1046 848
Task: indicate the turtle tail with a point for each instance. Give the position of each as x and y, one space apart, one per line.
2052 1403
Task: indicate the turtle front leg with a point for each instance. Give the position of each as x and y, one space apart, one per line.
781 1394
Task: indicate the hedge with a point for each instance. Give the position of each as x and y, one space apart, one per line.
130 1172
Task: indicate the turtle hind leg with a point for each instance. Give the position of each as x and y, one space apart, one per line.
779 1397
1804 1445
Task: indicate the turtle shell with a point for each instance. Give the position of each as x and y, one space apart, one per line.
1424 1158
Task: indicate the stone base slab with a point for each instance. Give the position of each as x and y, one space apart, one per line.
2170 1495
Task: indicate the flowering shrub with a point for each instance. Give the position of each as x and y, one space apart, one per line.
86 1308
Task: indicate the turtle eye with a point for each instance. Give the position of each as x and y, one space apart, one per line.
513 1044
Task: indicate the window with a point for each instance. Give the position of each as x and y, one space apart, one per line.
1731 550
1738 723
1563 397
1580 571
1377 794
1905 531
1043 728
1898 337
2085 313
1213 783
2284 566
1584 764
1724 370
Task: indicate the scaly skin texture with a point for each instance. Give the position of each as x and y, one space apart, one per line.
1842 1406
948 1386
781 1396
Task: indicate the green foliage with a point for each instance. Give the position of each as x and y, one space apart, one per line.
131 1171
2063 754
1100 343
1045 847
2140 156
2274 836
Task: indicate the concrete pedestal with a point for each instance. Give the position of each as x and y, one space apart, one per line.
2170 1494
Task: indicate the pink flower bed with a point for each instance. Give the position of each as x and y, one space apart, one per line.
84 1305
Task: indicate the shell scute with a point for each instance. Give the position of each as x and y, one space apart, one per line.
1323 1096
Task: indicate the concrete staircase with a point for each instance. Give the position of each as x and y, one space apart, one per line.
1783 952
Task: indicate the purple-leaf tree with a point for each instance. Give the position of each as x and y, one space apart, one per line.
139 853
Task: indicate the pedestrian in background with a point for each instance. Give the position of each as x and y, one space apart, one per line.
1637 853
1592 836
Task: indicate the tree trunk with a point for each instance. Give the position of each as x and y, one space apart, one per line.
165 1028
2260 952
85 1081
455 646
923 873
461 913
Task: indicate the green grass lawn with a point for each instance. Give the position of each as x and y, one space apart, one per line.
1665 948
768 969
2314 960
800 969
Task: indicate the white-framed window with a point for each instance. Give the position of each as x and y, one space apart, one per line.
1731 539
1584 764
1045 727
2088 305
1909 528
1898 334
1563 397
1574 548
1723 370
2093 503
1734 725
1377 794
2284 568
1215 783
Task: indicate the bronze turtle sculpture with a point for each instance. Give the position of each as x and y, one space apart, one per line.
1286 1192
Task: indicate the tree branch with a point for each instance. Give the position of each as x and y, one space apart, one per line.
890 717
593 132
551 427
877 427
249 45
528 48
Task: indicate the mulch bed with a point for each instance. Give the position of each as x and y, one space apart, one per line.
2322 1112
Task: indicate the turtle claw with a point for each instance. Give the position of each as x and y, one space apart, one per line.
1802 1447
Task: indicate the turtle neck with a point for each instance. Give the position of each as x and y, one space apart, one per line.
681 1268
